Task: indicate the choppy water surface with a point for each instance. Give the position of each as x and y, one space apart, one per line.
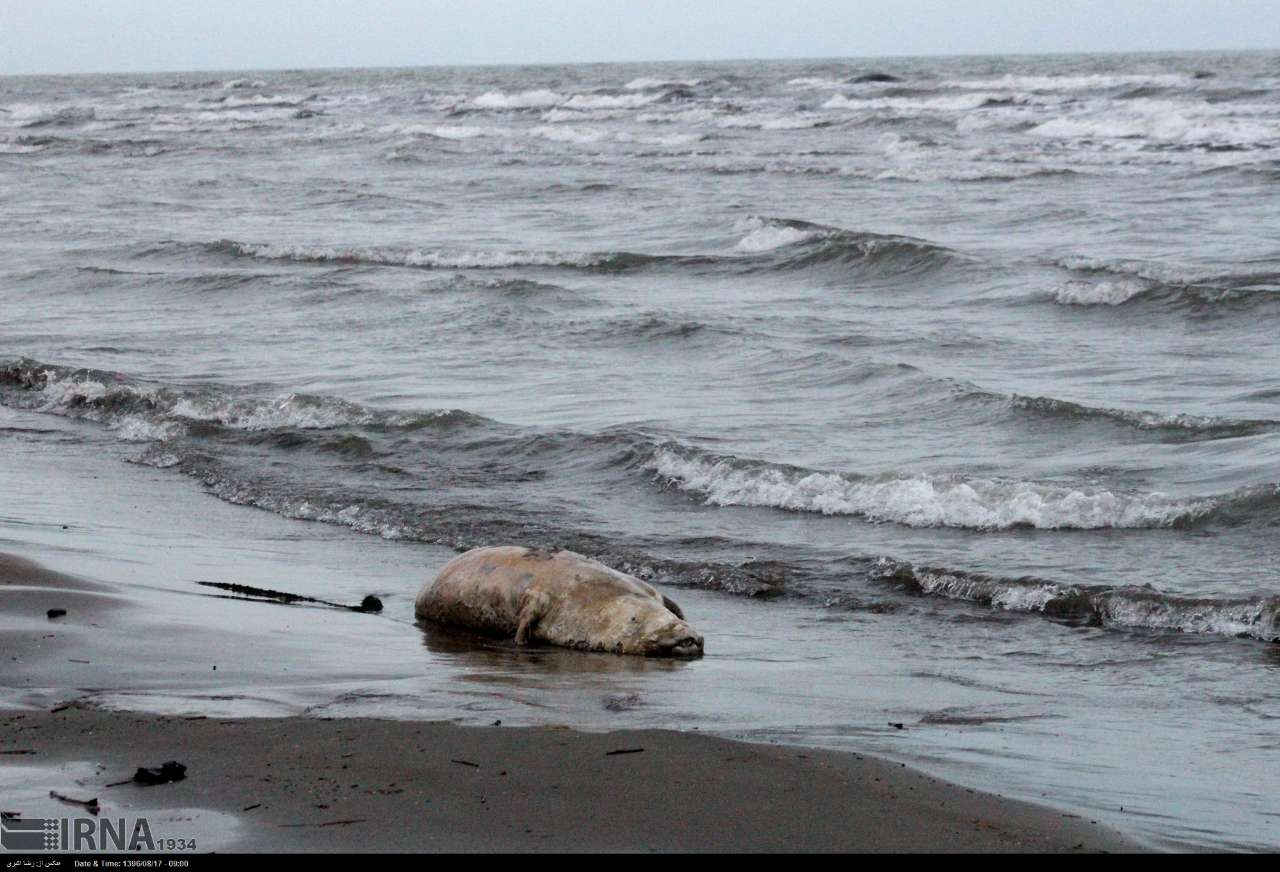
985 344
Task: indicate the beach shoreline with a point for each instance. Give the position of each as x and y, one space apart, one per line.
304 783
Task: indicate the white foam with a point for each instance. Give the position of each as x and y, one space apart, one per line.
912 105
558 116
286 410
771 121
460 131
572 134
1259 618
815 82
674 139
920 500
770 236
1128 608
522 100
252 101
1163 121
1025 597
1143 269
1106 293
645 83
414 257
29 114
606 101
19 148
62 392
1096 81
136 428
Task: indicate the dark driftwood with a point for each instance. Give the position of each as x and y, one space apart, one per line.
262 594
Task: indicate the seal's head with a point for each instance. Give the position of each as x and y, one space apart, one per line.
662 634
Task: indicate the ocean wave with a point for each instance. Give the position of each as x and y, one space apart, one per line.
795 244
918 500
411 257
817 83
141 412
463 526
253 102
1086 82
1129 608
652 327
768 243
647 83
609 101
933 171
1106 293
826 83
765 235
535 99
467 526
39 115
1196 426
1125 281
1171 123
947 103
772 121
87 145
597 103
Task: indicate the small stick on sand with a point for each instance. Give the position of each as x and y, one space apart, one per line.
262 594
90 805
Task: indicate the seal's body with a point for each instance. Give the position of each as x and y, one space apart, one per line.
561 598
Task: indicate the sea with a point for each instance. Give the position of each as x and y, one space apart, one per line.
943 393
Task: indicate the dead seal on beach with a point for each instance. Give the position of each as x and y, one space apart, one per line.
561 598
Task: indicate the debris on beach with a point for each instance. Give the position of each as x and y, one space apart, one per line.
622 702
623 751
370 604
90 805
55 613
163 774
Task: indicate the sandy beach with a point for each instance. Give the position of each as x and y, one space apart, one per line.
335 784
300 784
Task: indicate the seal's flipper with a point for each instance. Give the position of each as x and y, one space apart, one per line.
673 608
530 612
527 619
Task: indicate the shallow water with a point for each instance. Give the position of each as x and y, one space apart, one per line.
955 394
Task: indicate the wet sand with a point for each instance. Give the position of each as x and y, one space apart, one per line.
313 784
305 784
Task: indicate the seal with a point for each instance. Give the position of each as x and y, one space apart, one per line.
560 598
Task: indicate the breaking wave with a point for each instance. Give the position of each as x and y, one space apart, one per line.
768 243
798 244
1129 608
1125 281
201 432
1194 426
919 500
139 412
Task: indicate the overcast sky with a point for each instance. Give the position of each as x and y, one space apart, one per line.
52 36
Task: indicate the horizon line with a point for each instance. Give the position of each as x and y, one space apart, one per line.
722 60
